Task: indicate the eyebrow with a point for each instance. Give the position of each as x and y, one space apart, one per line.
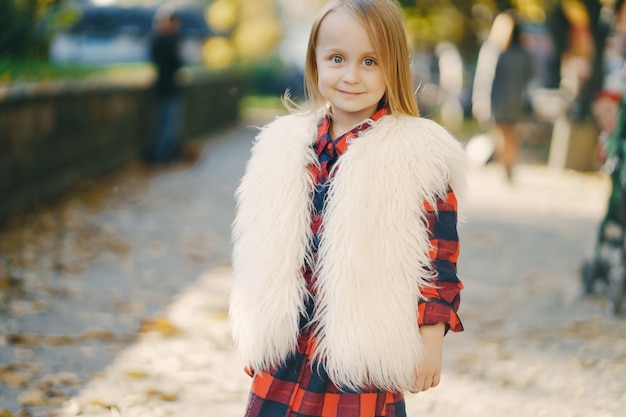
341 51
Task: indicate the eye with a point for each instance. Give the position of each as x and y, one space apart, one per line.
336 59
369 62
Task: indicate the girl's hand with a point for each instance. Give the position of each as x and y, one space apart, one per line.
429 374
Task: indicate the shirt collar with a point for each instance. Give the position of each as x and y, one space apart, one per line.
340 145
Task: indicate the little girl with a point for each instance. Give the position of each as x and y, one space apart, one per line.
345 240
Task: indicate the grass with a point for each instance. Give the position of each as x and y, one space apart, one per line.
262 101
261 108
14 70
33 70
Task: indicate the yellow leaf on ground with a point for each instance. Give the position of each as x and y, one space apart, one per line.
23 339
163 396
160 325
136 374
13 378
59 340
100 403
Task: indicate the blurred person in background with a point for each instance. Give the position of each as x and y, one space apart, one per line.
500 92
165 54
509 96
606 103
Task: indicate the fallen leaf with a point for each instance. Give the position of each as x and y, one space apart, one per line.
13 378
59 340
101 335
100 403
42 396
169 396
163 396
118 247
23 339
9 283
136 374
19 374
160 325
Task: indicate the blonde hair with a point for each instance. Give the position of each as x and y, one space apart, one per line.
384 22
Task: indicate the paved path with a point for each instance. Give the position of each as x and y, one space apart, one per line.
532 346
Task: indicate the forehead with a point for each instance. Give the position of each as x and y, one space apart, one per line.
340 29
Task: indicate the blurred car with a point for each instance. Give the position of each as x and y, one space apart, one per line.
116 34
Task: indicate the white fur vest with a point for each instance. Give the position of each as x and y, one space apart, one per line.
373 253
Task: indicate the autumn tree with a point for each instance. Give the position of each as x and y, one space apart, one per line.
20 30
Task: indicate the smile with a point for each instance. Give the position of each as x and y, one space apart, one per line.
349 93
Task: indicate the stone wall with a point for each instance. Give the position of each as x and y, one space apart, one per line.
52 137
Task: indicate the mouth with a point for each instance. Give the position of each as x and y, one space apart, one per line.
349 93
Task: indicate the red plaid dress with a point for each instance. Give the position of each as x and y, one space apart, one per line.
300 387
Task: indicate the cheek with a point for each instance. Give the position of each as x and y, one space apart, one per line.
378 83
324 76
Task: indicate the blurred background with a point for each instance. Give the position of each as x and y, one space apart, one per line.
44 39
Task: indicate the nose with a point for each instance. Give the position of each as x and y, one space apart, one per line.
351 74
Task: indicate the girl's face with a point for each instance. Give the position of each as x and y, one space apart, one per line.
349 75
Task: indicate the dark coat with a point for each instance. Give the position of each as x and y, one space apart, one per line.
165 54
514 70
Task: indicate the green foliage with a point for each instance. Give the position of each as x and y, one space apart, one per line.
17 20
407 3
19 35
27 70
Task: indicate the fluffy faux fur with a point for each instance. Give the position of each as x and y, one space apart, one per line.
373 253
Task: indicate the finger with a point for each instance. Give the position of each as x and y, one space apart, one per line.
422 382
430 381
419 385
422 385
436 380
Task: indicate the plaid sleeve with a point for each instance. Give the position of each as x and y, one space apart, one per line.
443 298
